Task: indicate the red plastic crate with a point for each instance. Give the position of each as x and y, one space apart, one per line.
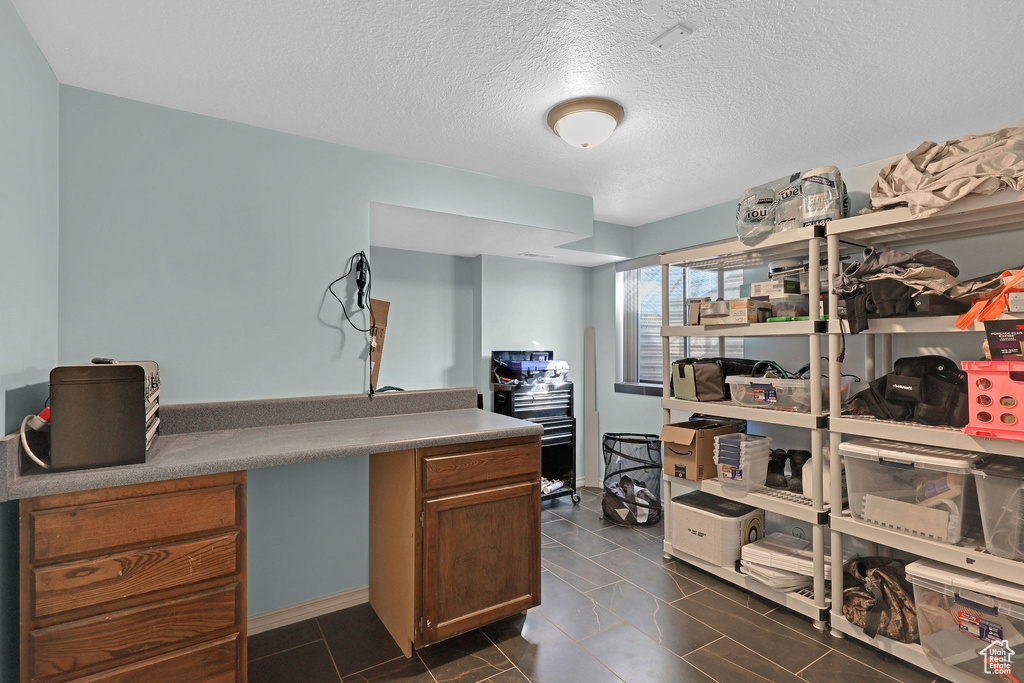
996 393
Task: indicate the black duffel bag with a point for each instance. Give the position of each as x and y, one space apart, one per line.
930 390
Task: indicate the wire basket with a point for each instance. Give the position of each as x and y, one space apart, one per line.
632 479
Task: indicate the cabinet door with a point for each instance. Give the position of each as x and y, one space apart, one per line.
481 558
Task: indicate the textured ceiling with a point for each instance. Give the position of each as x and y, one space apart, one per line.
761 88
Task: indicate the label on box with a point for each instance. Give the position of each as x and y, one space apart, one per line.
763 393
732 472
973 623
1005 339
774 287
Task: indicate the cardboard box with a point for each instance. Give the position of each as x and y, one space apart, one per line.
774 287
805 280
1005 339
380 325
693 309
688 452
736 312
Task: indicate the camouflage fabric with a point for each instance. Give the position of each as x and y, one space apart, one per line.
878 598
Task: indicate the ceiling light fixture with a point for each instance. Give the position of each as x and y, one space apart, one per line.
585 121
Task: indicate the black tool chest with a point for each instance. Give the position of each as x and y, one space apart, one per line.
544 397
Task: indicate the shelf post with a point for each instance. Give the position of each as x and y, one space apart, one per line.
834 438
666 362
886 353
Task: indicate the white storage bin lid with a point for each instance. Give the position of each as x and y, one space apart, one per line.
801 383
1003 466
730 447
805 383
713 505
788 298
929 457
747 379
743 439
942 578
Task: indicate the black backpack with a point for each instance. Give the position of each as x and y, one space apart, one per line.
930 390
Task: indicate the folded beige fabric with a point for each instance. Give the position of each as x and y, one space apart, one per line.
935 175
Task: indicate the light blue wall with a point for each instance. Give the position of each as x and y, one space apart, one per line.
535 305
448 313
207 245
608 238
710 224
429 340
29 220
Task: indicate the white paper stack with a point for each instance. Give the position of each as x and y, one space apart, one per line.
784 552
779 579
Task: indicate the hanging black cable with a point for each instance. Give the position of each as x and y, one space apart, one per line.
364 280
359 262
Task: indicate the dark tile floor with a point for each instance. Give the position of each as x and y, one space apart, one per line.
613 610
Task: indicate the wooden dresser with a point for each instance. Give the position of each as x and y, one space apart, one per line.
454 537
135 583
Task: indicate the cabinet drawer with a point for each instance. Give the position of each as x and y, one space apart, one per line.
131 632
480 465
73 585
215 662
97 527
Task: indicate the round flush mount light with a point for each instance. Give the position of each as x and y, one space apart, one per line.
585 121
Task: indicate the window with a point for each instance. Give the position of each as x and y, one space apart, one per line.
641 318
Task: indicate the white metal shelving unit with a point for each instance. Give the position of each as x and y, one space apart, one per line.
892 229
803 243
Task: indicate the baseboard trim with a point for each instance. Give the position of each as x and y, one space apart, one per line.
258 623
581 482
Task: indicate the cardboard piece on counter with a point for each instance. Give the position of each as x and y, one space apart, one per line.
380 325
688 452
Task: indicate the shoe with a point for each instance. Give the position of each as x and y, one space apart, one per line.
777 469
796 469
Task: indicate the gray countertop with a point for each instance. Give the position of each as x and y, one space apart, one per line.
255 434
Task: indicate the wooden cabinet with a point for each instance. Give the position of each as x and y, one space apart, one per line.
135 583
454 537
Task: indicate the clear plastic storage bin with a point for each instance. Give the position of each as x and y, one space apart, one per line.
742 461
919 490
754 392
968 621
789 305
795 394
1000 483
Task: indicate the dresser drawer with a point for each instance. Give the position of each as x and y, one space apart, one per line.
97 527
102 640
74 585
480 465
212 662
